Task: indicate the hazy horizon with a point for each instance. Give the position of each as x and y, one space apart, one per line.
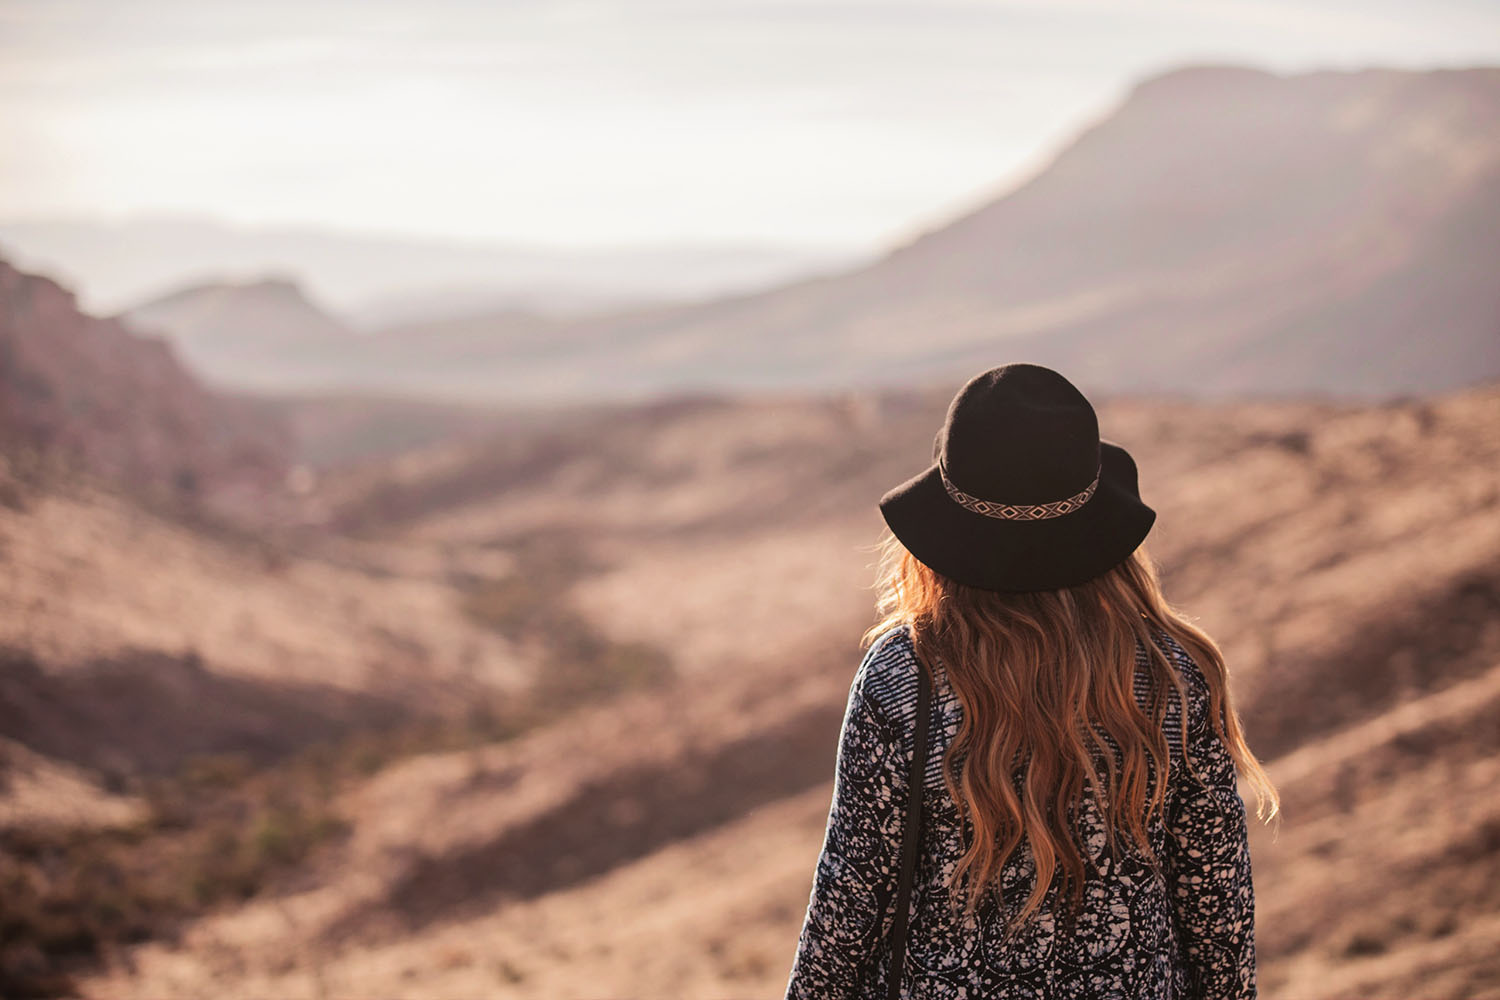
832 124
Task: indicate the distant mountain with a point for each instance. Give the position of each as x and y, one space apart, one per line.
89 393
263 334
1225 230
563 284
267 335
373 281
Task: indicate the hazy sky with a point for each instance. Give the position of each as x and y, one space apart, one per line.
837 122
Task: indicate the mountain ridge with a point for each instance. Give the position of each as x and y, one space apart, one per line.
1223 230
96 397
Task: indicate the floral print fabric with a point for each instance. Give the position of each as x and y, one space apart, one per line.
1186 931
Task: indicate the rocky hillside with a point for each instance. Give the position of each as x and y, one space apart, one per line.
178 696
92 395
1344 555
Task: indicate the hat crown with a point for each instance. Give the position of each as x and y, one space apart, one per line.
1019 434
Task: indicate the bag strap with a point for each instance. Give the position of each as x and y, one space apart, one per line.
909 837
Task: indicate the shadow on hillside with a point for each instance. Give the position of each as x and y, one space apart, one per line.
147 712
611 455
607 823
1437 638
608 440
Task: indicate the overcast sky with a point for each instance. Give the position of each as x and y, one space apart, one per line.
843 123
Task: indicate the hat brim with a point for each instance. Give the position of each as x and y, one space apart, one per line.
998 554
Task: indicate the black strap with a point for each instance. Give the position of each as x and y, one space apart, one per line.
909 837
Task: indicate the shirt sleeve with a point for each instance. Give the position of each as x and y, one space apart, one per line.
1207 865
854 882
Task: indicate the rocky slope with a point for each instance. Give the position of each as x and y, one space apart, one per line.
178 696
1343 555
92 395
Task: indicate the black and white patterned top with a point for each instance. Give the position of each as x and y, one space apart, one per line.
1188 932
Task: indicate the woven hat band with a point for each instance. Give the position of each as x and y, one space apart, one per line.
1019 511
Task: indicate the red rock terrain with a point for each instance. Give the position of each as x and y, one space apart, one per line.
660 842
95 396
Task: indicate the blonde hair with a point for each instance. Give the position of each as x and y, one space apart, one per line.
1043 678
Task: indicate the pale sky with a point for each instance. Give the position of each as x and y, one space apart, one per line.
840 123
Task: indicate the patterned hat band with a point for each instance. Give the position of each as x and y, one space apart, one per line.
1020 512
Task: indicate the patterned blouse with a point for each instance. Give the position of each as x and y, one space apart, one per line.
1186 933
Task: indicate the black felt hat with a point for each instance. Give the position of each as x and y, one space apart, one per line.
1022 493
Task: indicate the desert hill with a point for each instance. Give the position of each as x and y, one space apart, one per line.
1222 230
255 335
160 601
268 336
1344 555
164 620
92 395
178 694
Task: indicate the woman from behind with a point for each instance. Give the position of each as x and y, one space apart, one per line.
1081 833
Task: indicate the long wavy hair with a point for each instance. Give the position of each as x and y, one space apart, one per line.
1046 678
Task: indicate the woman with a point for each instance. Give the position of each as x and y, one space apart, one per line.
1077 838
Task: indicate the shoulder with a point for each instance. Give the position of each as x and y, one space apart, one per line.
1195 683
888 678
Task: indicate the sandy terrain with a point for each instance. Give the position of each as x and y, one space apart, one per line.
662 844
